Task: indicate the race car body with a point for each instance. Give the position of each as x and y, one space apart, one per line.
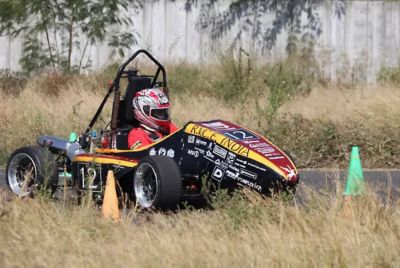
161 174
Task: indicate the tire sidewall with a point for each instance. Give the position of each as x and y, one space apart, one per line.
44 161
169 183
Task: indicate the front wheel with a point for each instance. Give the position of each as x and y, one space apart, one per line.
30 167
157 183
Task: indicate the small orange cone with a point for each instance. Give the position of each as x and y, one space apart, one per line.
110 203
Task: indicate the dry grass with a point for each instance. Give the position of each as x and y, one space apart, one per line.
377 104
240 232
59 105
43 109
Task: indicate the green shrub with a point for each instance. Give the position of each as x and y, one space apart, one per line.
184 78
236 76
389 75
317 143
292 76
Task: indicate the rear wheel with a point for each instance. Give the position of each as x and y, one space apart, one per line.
30 167
157 183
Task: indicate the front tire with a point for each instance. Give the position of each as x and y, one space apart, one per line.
157 183
29 168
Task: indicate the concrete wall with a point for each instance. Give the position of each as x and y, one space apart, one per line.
353 45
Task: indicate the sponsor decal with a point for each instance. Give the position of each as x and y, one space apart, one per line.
258 145
243 181
162 151
210 146
200 142
239 148
220 151
232 175
217 125
152 152
235 147
225 141
220 163
248 174
171 153
231 158
276 157
234 168
256 166
203 132
265 150
240 165
291 173
218 174
240 134
193 153
191 139
210 154
252 141
200 150
244 162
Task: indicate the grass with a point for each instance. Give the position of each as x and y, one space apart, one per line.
242 231
317 123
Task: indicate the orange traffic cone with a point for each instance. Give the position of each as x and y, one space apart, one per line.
110 203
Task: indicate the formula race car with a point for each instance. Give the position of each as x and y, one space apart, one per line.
160 175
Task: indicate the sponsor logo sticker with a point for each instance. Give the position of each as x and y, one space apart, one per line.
162 151
248 174
152 152
231 158
200 142
218 174
216 125
171 153
191 139
258 145
193 153
220 151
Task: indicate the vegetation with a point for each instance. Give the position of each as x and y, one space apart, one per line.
245 230
316 122
390 75
53 30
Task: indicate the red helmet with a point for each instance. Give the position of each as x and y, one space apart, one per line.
151 109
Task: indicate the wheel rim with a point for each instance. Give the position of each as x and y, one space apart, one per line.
146 185
22 173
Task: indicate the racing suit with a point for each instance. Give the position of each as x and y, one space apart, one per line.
139 136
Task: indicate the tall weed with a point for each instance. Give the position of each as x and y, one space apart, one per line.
237 74
12 83
289 78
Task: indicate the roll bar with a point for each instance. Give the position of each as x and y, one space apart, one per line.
114 86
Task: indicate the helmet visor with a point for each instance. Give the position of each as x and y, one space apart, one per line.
160 114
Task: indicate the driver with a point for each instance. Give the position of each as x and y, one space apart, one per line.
151 109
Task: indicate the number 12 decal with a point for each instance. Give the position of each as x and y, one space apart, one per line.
240 135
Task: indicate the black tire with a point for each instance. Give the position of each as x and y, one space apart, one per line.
34 166
157 183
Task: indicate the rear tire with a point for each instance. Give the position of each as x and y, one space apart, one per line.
157 183
30 168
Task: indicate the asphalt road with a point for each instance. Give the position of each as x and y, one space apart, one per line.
384 182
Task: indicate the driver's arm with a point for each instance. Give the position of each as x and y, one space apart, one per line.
137 137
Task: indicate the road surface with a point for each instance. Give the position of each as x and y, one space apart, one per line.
385 182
